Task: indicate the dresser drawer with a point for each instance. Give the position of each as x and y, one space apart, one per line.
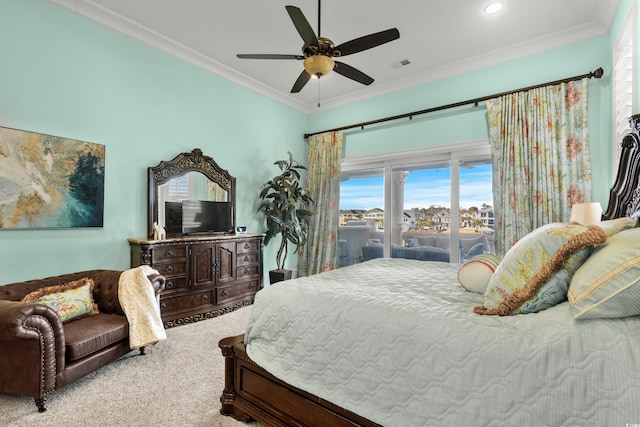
248 271
178 268
236 290
247 246
168 253
175 283
186 301
247 259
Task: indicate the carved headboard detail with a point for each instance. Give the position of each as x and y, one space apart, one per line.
624 196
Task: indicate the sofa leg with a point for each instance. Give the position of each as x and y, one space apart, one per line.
142 351
40 402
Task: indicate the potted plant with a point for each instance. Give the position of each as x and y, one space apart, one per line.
286 206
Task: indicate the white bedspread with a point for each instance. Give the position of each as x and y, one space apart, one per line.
397 342
140 305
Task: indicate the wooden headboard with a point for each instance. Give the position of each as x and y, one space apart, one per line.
624 196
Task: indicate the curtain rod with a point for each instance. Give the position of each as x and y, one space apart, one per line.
597 74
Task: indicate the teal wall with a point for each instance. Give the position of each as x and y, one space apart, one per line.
64 75
469 123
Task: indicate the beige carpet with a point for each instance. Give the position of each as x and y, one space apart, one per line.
178 383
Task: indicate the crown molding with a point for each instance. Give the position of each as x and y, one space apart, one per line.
601 25
513 52
97 13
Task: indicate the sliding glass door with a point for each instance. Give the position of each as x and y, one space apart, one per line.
429 206
361 214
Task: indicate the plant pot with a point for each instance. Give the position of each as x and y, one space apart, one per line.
279 275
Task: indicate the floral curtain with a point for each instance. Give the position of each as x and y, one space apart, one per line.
540 153
323 183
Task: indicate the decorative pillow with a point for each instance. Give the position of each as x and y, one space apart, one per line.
535 272
413 242
607 285
71 300
474 275
473 251
614 226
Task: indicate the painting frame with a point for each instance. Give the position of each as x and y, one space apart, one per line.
50 182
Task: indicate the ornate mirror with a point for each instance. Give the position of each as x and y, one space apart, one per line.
187 177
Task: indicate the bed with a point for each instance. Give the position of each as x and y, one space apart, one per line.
397 342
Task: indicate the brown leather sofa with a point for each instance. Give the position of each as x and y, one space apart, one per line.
39 354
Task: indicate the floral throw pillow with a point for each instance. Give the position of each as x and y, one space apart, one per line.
535 273
70 301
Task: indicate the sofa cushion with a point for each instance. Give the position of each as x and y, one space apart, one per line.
443 242
427 240
71 300
90 334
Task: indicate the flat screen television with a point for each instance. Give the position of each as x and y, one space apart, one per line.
173 217
200 217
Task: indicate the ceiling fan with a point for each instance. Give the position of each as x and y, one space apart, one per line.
318 52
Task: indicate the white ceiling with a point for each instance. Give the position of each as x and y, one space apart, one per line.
438 37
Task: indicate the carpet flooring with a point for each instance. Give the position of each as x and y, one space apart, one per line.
177 383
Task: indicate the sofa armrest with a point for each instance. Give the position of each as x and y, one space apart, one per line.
107 282
31 348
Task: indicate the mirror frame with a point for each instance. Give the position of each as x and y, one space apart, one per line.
194 161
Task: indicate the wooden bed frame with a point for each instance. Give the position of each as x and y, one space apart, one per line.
251 393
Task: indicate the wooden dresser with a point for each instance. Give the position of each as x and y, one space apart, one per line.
206 275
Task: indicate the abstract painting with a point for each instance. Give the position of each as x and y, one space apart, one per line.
49 181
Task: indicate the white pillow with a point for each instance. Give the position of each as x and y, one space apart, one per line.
475 274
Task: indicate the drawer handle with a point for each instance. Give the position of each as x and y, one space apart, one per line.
169 269
163 305
168 254
205 298
246 246
251 285
246 257
247 270
225 293
169 285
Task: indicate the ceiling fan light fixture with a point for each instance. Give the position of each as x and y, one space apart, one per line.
319 65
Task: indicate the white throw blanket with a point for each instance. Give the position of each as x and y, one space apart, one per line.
139 303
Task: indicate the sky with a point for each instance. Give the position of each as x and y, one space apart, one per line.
423 188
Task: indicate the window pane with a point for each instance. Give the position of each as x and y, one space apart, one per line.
431 206
421 212
361 216
476 208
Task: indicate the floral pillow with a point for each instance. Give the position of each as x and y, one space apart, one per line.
535 273
70 301
614 226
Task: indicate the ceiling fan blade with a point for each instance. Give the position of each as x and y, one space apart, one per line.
367 42
352 73
267 56
302 25
303 78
